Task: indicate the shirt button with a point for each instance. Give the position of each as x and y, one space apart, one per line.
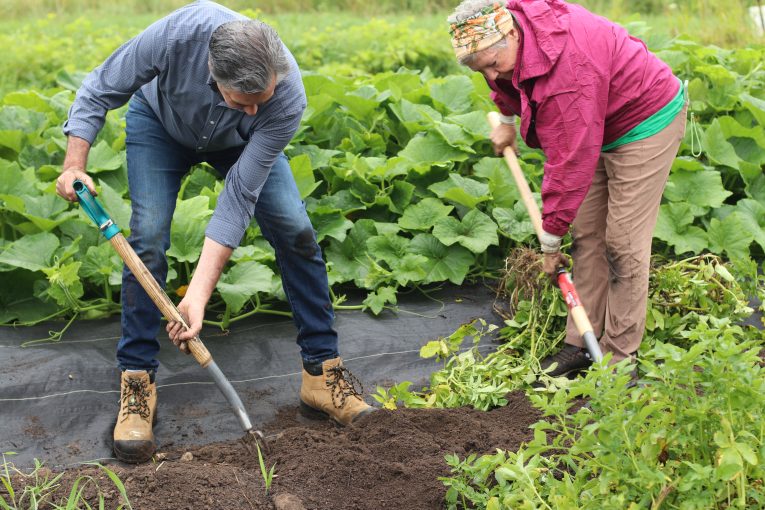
212 122
199 148
204 138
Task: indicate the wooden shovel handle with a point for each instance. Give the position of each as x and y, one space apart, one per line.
578 313
155 292
520 181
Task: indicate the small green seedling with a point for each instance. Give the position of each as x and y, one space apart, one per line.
268 475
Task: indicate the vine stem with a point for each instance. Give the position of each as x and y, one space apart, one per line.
348 307
259 308
53 336
107 289
227 317
38 321
103 306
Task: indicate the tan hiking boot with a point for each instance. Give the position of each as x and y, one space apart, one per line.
133 435
334 393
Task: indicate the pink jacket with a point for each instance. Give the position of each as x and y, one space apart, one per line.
580 82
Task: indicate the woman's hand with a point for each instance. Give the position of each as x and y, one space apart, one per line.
502 136
552 262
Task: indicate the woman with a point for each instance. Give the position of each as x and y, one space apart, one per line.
609 116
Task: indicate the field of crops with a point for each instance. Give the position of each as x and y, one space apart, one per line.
394 164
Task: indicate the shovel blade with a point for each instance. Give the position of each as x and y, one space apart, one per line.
254 440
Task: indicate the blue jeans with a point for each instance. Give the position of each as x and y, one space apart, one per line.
156 166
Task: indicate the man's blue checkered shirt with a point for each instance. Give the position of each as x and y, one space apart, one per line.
168 62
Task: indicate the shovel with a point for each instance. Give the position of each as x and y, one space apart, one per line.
565 283
112 233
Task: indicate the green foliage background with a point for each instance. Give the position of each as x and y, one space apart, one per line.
392 161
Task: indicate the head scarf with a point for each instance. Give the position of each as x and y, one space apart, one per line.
481 30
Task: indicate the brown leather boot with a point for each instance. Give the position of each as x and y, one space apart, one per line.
133 435
334 393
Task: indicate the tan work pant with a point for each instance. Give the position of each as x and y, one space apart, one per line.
612 236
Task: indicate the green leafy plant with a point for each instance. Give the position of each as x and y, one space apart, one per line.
466 378
267 474
391 162
76 498
690 435
40 488
683 292
37 488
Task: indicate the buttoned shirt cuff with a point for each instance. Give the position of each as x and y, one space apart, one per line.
80 129
550 242
223 232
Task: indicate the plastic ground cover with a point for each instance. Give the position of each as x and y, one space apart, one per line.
59 401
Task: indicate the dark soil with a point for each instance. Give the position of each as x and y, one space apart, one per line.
390 459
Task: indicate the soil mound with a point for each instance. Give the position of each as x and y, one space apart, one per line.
390 459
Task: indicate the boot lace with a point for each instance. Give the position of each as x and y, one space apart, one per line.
135 396
343 384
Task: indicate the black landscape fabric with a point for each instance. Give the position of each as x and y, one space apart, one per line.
59 401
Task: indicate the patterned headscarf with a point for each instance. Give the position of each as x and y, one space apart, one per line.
481 30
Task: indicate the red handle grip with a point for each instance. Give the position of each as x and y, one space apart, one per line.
566 285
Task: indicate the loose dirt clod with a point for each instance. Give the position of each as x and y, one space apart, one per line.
187 457
287 501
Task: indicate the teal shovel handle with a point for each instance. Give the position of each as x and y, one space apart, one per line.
95 212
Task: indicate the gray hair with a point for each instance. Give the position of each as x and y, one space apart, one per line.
246 55
467 9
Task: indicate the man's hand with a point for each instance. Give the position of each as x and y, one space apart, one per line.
64 183
193 311
75 162
209 268
504 136
552 262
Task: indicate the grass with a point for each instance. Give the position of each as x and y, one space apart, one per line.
39 488
728 25
289 23
70 42
51 36
706 21
23 9
268 475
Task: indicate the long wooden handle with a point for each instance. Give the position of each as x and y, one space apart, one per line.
520 181
155 292
576 309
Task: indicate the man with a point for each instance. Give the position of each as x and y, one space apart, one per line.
609 116
208 84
